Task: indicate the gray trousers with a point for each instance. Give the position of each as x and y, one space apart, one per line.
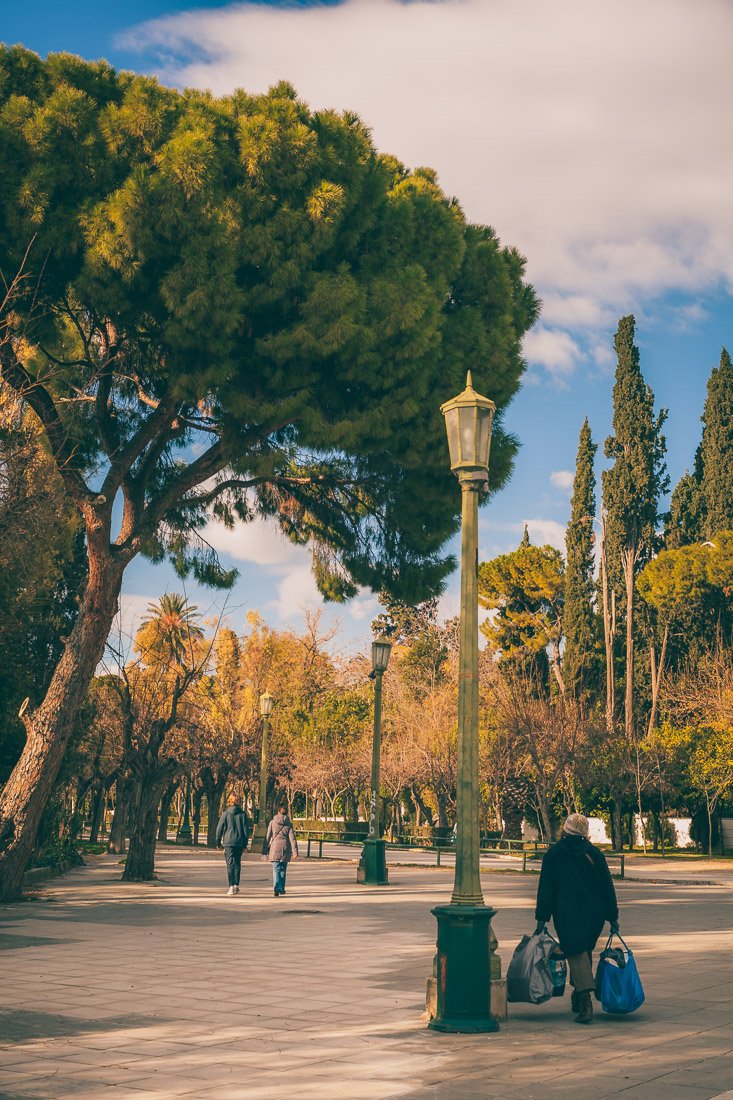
581 971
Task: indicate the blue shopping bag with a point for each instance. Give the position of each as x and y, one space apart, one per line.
618 985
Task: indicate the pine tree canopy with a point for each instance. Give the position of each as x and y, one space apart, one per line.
633 485
579 620
696 578
716 450
237 306
525 589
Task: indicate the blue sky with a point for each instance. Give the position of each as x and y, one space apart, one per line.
591 133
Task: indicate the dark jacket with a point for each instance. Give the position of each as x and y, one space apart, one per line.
280 841
577 892
231 831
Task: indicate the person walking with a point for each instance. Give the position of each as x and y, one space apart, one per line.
280 847
231 835
576 891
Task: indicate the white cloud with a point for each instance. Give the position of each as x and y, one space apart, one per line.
562 479
590 135
296 591
546 532
260 541
553 349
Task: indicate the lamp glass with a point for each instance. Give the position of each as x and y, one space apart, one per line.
380 655
468 420
266 704
454 436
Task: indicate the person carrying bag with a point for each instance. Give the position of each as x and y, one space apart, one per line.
576 891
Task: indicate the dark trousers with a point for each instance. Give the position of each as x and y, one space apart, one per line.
233 857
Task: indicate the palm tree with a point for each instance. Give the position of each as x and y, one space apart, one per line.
169 632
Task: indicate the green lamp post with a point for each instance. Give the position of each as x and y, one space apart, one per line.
372 869
267 702
463 959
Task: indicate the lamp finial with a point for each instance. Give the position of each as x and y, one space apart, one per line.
469 381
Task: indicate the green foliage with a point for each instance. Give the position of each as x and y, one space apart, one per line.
684 523
169 632
691 588
525 590
717 450
579 618
634 483
267 309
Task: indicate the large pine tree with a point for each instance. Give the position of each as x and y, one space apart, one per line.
632 486
717 450
579 620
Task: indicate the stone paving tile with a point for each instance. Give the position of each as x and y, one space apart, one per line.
195 1003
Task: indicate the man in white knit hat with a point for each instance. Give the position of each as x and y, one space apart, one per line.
576 891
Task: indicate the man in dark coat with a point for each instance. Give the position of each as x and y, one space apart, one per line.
231 835
576 891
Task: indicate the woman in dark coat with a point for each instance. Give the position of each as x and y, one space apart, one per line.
576 891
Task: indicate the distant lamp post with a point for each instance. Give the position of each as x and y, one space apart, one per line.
185 834
372 870
463 959
267 702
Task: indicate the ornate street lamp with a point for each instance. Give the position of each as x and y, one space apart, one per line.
372 869
267 702
463 959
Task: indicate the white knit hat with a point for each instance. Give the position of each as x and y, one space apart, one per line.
576 825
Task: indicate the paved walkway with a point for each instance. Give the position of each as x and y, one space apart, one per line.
118 992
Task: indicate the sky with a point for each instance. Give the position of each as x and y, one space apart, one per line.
594 135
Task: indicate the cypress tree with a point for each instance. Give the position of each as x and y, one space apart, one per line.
717 450
632 486
685 520
579 620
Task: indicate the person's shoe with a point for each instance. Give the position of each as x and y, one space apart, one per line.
585 1016
230 890
236 889
574 1002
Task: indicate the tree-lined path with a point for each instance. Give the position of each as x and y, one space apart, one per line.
170 988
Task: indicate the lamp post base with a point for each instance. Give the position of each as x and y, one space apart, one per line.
184 835
463 969
372 869
258 835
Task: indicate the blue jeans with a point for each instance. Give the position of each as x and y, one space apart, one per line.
279 870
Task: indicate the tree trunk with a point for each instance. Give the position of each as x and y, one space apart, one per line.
657 671
629 559
425 811
213 787
96 810
609 625
48 726
556 667
149 787
118 831
198 794
616 831
548 819
165 810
